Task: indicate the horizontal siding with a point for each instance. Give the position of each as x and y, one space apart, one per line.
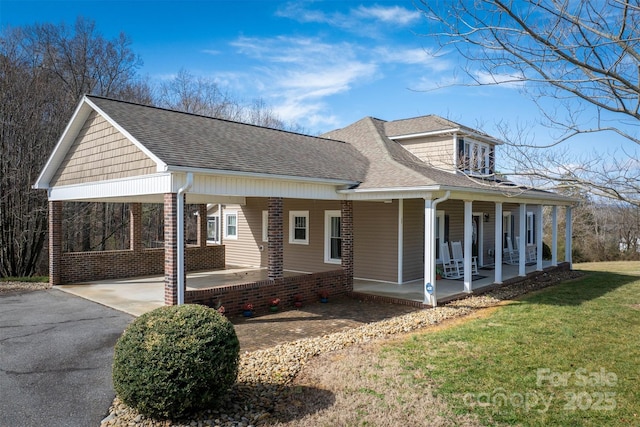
246 249
375 240
101 152
413 235
436 151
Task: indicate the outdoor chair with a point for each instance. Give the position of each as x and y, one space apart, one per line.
451 269
510 255
458 255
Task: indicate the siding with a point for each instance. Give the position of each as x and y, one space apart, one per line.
413 235
101 152
246 249
375 240
435 151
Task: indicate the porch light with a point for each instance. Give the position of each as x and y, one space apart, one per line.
486 216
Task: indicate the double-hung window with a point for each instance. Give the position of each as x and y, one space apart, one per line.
231 225
531 228
332 237
299 227
476 157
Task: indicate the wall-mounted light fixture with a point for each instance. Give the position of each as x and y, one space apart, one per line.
486 217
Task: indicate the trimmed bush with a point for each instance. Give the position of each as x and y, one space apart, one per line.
176 360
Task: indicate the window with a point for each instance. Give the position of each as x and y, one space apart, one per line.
231 225
265 226
212 229
531 228
333 237
299 227
475 157
440 233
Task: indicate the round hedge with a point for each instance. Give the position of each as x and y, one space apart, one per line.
176 360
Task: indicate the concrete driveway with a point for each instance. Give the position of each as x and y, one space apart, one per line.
56 352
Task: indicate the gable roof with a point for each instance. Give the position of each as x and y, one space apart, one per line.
180 141
430 125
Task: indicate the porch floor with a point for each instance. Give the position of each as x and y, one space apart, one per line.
139 295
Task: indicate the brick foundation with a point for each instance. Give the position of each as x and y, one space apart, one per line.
233 297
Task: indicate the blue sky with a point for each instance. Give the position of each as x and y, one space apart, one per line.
322 64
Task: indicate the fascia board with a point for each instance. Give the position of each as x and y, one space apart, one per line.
160 165
222 172
69 134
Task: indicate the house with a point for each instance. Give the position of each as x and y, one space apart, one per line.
375 200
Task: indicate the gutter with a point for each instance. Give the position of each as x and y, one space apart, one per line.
432 279
180 207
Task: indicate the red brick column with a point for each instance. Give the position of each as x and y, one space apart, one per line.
202 226
346 233
275 244
55 243
170 249
135 227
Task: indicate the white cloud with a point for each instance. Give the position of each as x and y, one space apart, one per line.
505 80
395 15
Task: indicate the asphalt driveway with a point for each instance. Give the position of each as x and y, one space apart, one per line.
56 351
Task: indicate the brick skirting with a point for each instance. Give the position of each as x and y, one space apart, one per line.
100 265
259 293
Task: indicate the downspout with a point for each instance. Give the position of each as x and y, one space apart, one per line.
180 239
432 279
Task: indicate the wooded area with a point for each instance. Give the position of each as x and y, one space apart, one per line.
45 69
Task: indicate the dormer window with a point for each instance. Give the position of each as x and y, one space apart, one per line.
474 157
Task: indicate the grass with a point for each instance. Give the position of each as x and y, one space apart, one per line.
565 356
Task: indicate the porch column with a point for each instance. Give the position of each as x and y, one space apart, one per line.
275 245
135 227
400 240
346 235
221 224
554 236
429 287
568 251
539 225
498 244
522 242
202 225
55 243
468 242
170 249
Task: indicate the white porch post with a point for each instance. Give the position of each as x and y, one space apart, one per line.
539 225
498 244
554 236
568 238
522 242
429 287
400 240
468 242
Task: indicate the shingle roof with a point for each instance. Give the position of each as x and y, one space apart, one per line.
424 124
189 140
392 166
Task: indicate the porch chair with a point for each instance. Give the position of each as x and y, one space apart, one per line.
531 254
450 269
510 255
458 254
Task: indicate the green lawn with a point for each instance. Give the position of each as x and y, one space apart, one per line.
567 356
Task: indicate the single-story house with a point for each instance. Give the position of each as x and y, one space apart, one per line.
377 200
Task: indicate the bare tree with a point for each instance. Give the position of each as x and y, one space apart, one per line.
578 60
44 70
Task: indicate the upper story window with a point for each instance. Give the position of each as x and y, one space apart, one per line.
476 158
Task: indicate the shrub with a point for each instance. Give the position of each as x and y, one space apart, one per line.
176 360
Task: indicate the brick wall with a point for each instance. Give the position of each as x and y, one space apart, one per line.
99 265
233 297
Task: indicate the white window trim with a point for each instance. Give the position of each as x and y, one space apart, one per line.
531 235
227 214
327 236
481 164
292 216
265 226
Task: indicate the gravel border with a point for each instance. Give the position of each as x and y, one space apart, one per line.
265 376
15 287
